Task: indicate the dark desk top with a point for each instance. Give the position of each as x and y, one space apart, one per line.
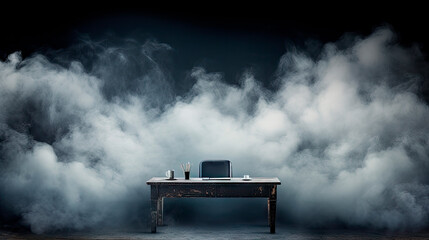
256 180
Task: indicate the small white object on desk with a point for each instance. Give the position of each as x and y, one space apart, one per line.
246 178
170 175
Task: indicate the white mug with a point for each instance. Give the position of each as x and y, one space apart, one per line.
170 174
246 176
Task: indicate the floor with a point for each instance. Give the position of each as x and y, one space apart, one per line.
219 233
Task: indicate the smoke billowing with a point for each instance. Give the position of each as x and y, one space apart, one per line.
346 132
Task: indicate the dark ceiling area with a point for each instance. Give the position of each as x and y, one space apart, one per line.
28 28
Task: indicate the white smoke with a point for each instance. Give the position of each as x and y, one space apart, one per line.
346 133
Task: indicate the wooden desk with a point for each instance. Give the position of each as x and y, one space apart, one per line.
197 187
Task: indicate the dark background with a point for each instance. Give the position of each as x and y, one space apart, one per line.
30 27
220 36
27 27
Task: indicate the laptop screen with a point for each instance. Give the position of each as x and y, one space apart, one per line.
215 169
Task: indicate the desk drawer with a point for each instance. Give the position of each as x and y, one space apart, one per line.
181 191
243 190
215 190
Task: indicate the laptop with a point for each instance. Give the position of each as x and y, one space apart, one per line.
216 170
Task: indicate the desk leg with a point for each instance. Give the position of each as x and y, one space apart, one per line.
272 202
272 214
269 215
153 207
160 210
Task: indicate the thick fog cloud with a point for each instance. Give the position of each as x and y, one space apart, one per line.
346 132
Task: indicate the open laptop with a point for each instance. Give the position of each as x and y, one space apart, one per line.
216 170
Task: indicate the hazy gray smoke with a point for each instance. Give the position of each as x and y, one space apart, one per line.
346 133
